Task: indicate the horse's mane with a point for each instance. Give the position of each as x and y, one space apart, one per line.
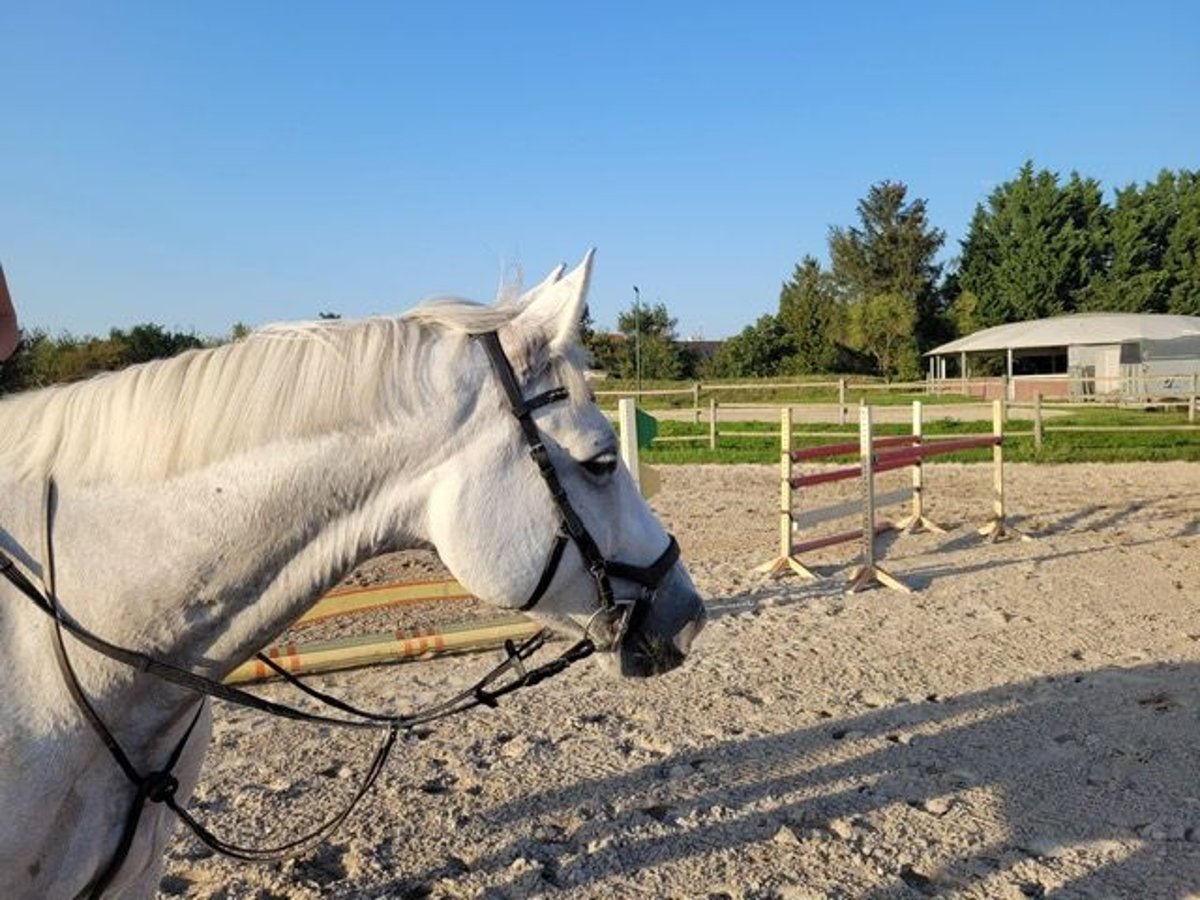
159 419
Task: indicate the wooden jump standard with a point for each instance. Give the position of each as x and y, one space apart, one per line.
876 455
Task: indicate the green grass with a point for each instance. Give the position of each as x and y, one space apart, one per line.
758 442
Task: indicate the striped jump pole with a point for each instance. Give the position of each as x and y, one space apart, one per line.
996 527
307 658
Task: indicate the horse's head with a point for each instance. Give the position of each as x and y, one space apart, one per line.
546 518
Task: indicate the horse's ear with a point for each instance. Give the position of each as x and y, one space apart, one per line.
552 278
555 308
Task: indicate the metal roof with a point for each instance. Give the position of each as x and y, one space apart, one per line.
1073 330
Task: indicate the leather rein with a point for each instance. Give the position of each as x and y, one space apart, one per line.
160 786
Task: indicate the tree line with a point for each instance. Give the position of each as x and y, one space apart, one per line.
1037 246
41 359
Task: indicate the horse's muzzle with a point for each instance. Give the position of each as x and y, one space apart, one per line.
662 627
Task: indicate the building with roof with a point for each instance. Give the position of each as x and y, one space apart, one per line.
1083 355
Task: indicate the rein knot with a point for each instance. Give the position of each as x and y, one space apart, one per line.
160 787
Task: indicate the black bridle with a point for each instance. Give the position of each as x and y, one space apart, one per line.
571 528
160 786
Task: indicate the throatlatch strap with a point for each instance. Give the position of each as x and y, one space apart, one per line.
556 552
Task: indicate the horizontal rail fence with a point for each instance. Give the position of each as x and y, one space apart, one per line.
1180 391
876 455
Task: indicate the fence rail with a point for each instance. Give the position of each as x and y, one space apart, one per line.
1144 391
837 413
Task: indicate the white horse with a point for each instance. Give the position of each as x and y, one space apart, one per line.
202 503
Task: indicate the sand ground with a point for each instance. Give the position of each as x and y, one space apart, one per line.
1026 724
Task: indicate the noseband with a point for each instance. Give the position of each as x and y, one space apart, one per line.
571 527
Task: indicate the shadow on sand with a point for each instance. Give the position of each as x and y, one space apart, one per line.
1106 755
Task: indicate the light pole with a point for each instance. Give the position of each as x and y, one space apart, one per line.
637 339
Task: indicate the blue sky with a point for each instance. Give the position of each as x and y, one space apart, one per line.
199 164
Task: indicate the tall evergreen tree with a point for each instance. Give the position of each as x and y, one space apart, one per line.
1140 226
892 252
811 315
1182 259
1034 249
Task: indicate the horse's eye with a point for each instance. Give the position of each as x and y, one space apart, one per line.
601 465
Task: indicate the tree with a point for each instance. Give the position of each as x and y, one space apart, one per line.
964 314
1034 249
41 360
142 343
811 317
1140 224
603 347
882 326
649 333
761 349
892 252
1182 258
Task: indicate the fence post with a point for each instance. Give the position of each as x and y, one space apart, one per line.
696 401
712 423
627 420
1192 404
842 401
1037 421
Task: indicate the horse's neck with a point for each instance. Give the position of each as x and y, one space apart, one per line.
208 566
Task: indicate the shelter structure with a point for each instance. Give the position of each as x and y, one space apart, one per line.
1134 355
